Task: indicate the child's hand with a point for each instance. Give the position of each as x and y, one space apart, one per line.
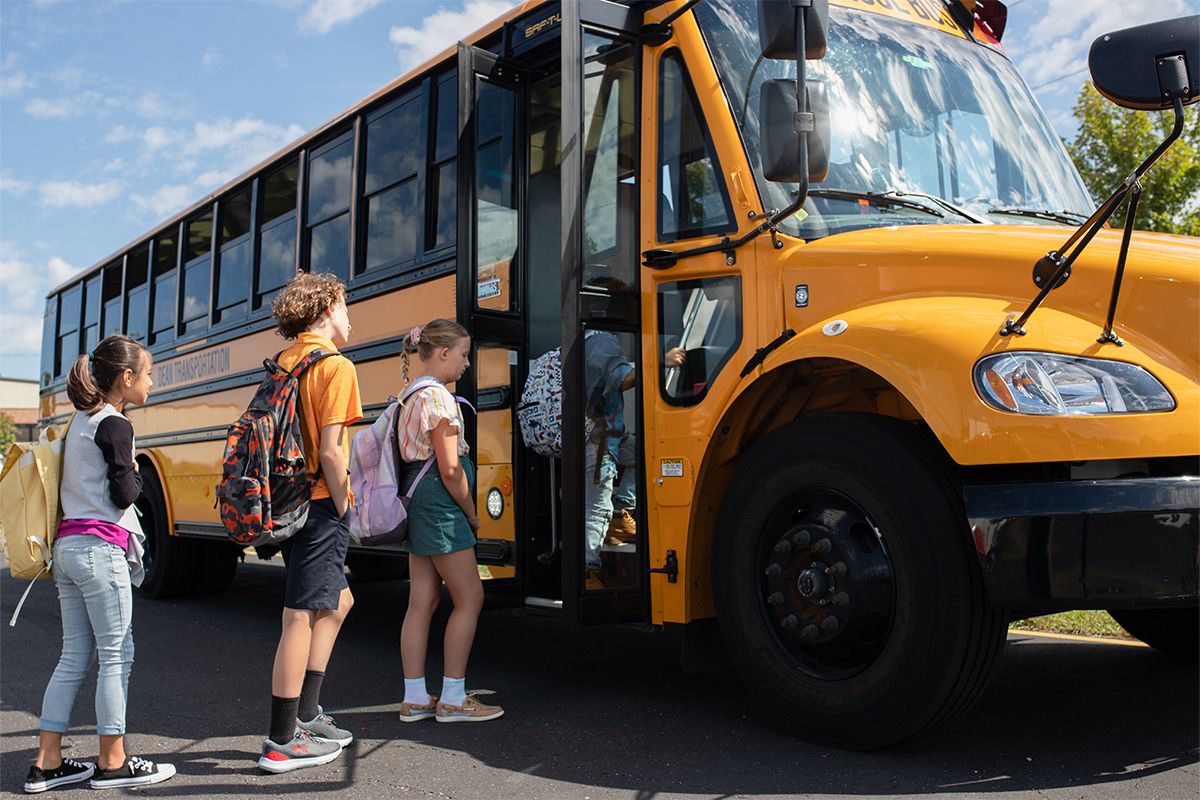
473 521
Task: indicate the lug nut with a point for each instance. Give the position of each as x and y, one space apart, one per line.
783 547
801 538
838 569
775 598
841 599
774 571
790 621
809 632
823 546
830 624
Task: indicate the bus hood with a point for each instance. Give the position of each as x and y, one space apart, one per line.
1158 307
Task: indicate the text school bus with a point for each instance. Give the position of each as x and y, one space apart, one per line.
889 433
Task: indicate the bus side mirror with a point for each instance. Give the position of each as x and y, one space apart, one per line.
777 28
788 155
1150 66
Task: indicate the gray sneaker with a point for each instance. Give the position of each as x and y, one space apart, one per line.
323 727
304 750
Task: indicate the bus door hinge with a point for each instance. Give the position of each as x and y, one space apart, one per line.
670 569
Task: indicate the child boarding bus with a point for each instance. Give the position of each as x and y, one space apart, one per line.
875 447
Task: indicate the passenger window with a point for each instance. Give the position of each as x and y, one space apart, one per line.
91 313
700 327
442 196
137 295
232 293
277 234
163 281
197 258
329 174
68 328
49 327
692 199
393 163
110 322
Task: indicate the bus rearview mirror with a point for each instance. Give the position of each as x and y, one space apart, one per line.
777 28
788 155
1149 66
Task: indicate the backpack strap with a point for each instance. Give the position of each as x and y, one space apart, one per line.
428 463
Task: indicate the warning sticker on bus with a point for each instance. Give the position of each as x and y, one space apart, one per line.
931 13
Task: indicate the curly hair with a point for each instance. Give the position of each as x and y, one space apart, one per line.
302 302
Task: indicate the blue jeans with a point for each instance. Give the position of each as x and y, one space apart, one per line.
94 593
597 500
625 494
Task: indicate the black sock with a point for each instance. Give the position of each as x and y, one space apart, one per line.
310 695
283 718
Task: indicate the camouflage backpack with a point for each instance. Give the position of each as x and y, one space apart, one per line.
265 488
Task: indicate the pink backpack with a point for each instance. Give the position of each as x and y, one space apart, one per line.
380 512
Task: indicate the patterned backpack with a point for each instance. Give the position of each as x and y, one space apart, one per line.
540 409
265 488
380 512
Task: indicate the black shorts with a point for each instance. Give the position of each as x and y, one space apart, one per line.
316 559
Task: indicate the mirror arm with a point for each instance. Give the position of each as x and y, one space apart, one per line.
1107 336
656 33
1084 234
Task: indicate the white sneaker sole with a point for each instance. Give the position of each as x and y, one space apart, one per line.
165 772
53 783
277 767
468 718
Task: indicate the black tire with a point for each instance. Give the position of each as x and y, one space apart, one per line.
377 566
218 563
1173 631
171 563
875 538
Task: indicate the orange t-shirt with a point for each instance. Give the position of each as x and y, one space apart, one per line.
328 396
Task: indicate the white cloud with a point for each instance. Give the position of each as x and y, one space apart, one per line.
60 270
157 138
116 165
212 59
121 133
62 108
324 15
13 83
166 201
13 185
73 194
443 28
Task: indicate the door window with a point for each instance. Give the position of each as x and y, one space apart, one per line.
700 327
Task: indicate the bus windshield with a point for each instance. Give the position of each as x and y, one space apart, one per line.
913 109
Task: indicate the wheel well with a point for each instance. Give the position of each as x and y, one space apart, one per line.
783 395
147 464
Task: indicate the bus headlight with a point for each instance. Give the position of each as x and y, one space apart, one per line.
1027 382
495 503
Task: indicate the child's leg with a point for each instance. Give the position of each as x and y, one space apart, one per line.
424 594
109 600
325 631
79 649
461 575
598 501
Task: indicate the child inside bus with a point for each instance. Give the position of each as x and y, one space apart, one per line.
311 310
97 558
442 523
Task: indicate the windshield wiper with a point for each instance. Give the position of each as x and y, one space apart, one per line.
895 197
1064 216
882 199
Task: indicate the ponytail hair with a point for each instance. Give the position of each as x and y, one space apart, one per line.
434 335
93 374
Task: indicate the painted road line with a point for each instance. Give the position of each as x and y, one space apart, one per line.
1073 638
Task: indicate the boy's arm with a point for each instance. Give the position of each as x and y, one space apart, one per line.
333 466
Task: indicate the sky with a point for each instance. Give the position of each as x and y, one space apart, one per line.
116 114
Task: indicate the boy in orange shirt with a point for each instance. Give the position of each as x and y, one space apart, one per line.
312 311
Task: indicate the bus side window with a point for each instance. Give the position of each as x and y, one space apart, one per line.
162 286
704 318
277 234
232 274
692 198
197 260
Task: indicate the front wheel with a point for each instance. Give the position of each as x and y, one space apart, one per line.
1174 631
171 563
845 586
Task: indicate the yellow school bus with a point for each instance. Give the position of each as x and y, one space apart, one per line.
903 414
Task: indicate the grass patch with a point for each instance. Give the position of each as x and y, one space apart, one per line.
1080 623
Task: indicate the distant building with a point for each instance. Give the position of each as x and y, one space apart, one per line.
19 400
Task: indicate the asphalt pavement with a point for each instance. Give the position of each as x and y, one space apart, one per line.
591 713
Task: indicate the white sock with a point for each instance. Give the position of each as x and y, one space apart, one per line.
454 691
416 692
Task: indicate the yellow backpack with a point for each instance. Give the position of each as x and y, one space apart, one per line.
29 509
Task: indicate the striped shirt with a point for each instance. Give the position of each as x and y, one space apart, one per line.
420 414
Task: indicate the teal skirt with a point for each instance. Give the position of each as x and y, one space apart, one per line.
436 525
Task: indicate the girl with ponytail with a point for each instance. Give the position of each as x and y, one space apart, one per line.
441 526
97 560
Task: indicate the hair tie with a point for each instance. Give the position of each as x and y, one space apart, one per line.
414 337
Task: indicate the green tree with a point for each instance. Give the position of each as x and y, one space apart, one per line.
1112 141
8 431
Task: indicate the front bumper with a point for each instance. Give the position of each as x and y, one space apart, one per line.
1125 543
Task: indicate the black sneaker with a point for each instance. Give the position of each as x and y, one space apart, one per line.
134 772
69 771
